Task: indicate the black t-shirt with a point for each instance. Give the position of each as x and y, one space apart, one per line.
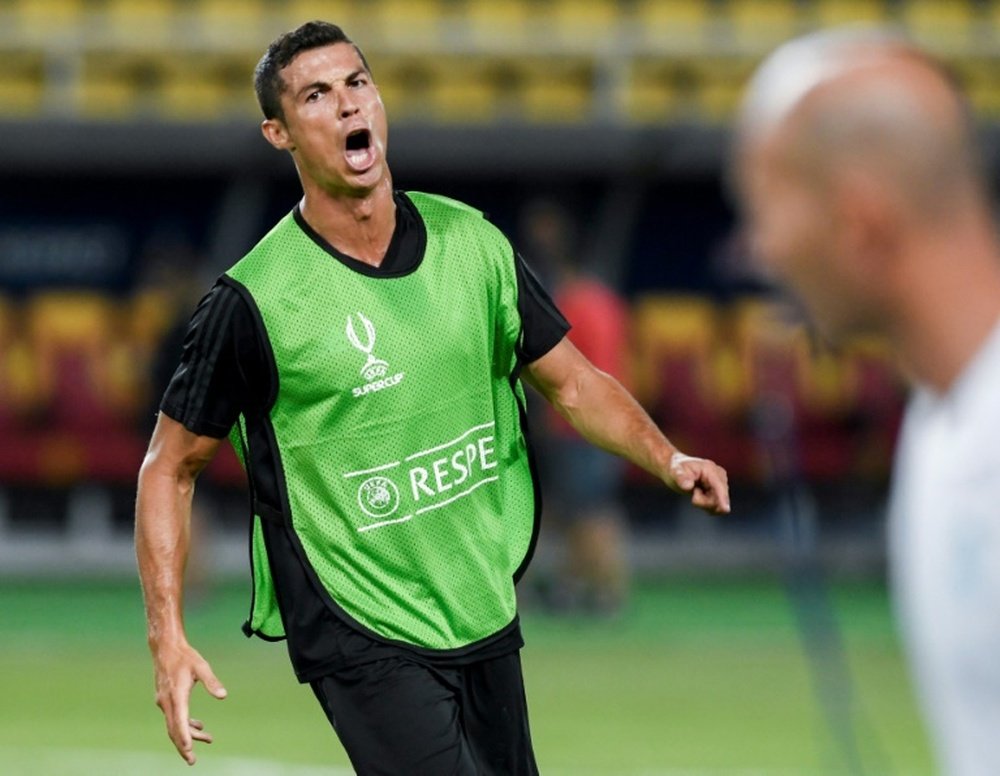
225 371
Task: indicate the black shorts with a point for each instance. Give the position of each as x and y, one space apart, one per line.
400 717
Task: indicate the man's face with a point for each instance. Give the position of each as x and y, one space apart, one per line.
334 122
794 234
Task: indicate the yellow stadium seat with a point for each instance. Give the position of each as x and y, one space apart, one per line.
981 82
463 90
18 367
80 346
556 90
939 25
22 84
40 20
720 86
663 24
405 25
405 84
757 24
579 23
232 23
671 324
653 93
146 22
498 26
116 85
829 13
293 13
205 87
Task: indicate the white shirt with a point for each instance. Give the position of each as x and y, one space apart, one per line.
945 560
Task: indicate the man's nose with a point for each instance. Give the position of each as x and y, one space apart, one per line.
348 107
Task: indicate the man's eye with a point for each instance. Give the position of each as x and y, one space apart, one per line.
313 96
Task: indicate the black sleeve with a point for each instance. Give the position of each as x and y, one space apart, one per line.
220 374
543 325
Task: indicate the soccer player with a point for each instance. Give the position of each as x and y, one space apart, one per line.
863 191
366 356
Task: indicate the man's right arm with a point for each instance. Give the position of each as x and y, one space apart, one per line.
163 517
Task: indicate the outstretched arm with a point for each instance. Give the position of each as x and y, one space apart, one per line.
162 533
606 415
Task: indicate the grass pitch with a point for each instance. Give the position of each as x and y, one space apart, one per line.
695 678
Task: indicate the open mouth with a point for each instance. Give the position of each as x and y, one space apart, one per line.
359 140
358 150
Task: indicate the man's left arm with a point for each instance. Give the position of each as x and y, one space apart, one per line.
606 415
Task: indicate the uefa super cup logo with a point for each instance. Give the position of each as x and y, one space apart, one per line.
378 497
374 368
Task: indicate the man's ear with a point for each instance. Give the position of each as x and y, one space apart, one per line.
871 217
276 133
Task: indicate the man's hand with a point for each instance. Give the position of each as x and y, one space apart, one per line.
705 480
177 670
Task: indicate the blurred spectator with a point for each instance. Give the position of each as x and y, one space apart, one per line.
581 482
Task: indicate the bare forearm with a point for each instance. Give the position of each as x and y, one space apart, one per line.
606 415
162 532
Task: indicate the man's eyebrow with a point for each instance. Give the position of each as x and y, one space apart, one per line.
353 76
314 85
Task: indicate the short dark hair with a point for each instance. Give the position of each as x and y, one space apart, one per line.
267 80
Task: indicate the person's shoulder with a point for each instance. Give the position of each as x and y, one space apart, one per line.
258 257
453 221
445 205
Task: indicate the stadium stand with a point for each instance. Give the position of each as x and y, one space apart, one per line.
829 13
681 25
105 51
946 27
153 23
762 23
22 83
488 23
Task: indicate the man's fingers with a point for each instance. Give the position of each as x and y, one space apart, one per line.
198 732
178 728
205 675
707 481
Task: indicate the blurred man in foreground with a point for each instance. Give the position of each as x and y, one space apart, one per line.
857 169
367 355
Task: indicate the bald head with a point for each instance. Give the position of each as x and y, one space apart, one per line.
866 100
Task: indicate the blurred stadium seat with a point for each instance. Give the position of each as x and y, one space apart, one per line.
405 25
829 13
579 24
673 24
757 24
19 394
938 25
556 89
491 25
463 90
41 21
655 91
137 23
980 80
22 83
290 14
720 83
116 85
207 87
232 24
86 375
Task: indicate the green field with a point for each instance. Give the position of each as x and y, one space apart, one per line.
694 678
